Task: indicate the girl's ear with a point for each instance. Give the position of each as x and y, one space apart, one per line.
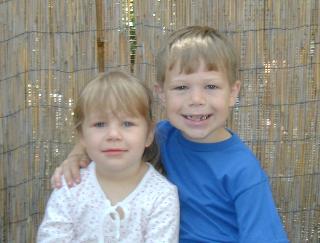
235 89
150 135
159 93
81 139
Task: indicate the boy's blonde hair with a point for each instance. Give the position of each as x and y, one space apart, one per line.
120 93
187 46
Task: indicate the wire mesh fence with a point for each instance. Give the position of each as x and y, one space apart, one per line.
50 49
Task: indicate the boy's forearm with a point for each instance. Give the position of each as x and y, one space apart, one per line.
70 167
78 151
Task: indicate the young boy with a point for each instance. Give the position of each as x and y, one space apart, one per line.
224 193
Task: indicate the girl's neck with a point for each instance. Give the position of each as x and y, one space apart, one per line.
117 188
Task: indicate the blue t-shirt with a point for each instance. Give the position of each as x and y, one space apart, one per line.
224 193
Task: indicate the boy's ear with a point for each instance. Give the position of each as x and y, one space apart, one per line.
235 89
159 93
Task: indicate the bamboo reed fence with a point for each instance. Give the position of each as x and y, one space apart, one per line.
50 49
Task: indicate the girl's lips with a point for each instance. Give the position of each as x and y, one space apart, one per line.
114 151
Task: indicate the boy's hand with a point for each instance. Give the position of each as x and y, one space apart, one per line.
70 168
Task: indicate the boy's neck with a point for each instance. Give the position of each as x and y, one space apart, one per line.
117 188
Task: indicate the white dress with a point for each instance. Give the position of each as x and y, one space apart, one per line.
84 214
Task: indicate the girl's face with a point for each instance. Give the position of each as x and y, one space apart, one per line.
115 142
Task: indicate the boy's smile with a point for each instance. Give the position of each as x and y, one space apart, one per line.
196 120
197 117
198 103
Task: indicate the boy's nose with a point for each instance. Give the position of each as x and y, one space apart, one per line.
197 97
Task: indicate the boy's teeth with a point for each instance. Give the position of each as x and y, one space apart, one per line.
197 118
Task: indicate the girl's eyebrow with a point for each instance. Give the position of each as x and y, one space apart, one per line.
97 117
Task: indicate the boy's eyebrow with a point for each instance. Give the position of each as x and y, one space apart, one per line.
211 79
207 79
178 80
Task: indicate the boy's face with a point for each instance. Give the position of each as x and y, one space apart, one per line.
198 103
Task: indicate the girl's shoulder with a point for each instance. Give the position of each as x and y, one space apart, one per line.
156 182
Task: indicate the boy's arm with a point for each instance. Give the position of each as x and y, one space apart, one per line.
163 223
258 218
70 168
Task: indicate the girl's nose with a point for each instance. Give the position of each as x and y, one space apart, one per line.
114 133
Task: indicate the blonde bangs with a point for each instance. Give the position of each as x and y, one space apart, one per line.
117 97
188 46
115 92
188 53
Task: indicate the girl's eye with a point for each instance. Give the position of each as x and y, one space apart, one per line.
99 124
181 87
211 86
128 124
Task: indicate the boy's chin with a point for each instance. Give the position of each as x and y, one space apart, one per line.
207 137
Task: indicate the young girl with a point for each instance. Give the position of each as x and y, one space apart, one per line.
121 198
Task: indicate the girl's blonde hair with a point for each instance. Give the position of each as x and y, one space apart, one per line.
120 93
188 46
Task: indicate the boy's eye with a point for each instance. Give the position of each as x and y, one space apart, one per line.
99 124
128 124
211 86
